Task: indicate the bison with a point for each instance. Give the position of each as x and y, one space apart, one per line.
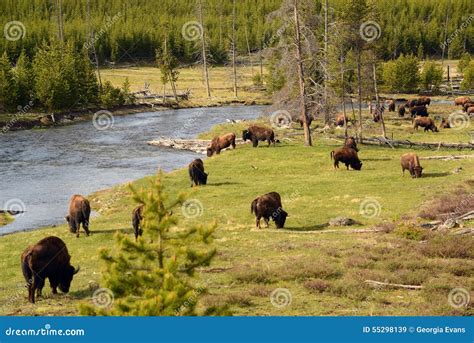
419 111
137 217
301 122
425 122
444 124
411 162
49 258
424 101
196 173
467 105
351 143
339 121
79 213
470 110
269 206
348 156
401 110
391 105
257 133
220 143
461 100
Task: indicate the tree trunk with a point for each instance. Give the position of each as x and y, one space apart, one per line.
326 76
306 128
94 52
234 69
343 94
204 55
377 100
359 93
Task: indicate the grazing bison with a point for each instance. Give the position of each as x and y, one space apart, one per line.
347 156
467 105
391 105
444 124
425 122
137 216
424 101
339 121
301 122
269 206
257 133
411 162
196 173
470 110
401 110
419 111
49 258
79 213
220 143
461 100
351 143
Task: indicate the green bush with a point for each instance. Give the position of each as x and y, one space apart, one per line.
431 75
401 75
468 80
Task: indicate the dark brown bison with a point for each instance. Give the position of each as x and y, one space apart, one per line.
401 110
424 101
220 143
49 258
347 156
339 121
461 100
351 143
470 110
391 105
137 217
419 111
411 162
467 105
257 133
269 206
300 120
79 213
425 122
444 124
196 173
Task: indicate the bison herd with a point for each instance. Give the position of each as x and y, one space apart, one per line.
49 258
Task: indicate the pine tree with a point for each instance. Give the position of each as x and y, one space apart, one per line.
24 79
155 275
8 86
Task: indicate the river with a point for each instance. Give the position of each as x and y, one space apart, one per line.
41 169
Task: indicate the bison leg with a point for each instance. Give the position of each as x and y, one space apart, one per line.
254 142
39 287
257 222
336 164
218 151
85 225
32 289
347 166
266 220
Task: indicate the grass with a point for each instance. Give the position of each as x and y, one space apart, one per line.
5 219
324 270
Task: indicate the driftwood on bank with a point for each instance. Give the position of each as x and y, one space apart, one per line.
395 143
393 285
450 223
195 145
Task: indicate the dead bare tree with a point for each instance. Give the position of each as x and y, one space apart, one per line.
326 51
377 99
203 49
234 69
92 43
301 79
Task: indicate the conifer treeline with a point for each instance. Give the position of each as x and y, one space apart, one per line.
408 26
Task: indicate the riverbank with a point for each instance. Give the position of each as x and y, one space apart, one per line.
323 267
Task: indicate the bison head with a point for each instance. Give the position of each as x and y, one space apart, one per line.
71 225
246 135
210 152
417 172
280 218
357 165
66 277
203 178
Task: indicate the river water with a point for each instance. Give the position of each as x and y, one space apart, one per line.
41 169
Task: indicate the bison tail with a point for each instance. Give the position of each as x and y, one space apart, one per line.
253 207
25 268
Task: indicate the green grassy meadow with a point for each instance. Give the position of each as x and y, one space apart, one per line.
322 267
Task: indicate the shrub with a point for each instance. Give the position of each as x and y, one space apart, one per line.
468 76
431 76
449 246
401 75
316 285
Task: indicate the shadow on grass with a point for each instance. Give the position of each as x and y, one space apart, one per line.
317 227
112 231
435 174
378 159
223 184
81 294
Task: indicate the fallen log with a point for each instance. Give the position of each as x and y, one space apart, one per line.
195 145
394 143
447 157
394 285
